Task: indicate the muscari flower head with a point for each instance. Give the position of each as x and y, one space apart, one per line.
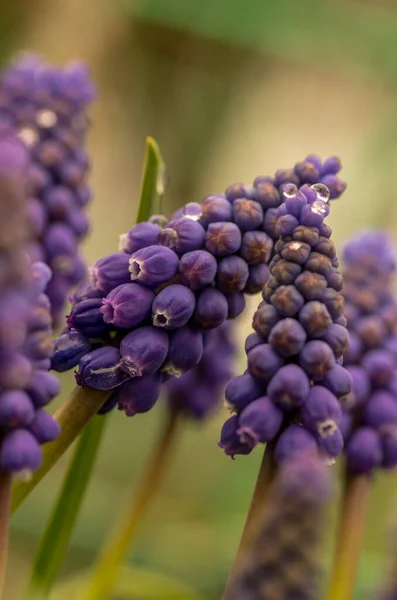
46 106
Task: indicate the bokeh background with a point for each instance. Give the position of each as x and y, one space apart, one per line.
230 89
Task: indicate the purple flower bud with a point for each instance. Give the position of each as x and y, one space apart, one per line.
256 247
87 318
286 272
185 351
16 409
140 236
371 331
380 367
308 235
312 215
334 302
331 166
238 190
232 274
42 387
265 317
381 411
286 176
266 194
339 381
36 216
38 277
316 358
215 208
242 390
335 185
321 412
247 214
307 172
173 307
139 395
337 338
101 370
270 222
44 427
211 309
331 444
15 371
153 265
111 271
286 224
253 340
318 263
296 252
364 450
236 304
59 240
354 349
197 269
182 235
311 285
289 387
230 441
315 318
287 337
127 305
257 278
259 422
143 351
59 201
389 450
20 452
223 238
264 362
287 300
294 440
79 223
68 348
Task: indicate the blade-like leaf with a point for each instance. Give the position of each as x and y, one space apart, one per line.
153 182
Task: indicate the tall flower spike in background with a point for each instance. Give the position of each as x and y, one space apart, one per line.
47 108
289 396
284 561
369 422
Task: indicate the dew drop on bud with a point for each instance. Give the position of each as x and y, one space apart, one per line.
329 461
322 191
193 211
290 190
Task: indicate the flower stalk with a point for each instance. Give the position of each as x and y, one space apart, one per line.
5 498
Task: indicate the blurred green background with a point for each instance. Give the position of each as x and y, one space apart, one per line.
230 89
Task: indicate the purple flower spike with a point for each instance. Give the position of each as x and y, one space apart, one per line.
68 348
111 271
44 427
42 388
264 362
289 387
232 274
230 440
242 390
317 358
143 351
101 369
87 318
138 395
20 451
211 309
182 235
127 305
153 265
16 409
185 351
259 422
197 269
173 307
293 441
364 450
223 238
140 236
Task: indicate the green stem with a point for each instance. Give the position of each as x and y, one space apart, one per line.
264 481
350 534
5 497
153 182
112 555
72 416
56 537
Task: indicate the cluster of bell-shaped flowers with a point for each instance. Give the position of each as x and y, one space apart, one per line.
171 282
370 410
290 394
47 106
25 325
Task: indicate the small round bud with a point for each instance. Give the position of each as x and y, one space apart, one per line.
339 381
308 235
256 247
315 318
230 441
264 362
287 300
20 451
182 235
257 278
371 331
143 351
259 422
380 411
140 236
318 263
360 386
153 265
87 318
16 409
311 285
307 172
185 351
44 427
337 337
380 367
232 274
242 390
223 238
293 441
215 208
236 304
247 214
138 395
364 450
266 194
173 307
316 358
287 337
321 411
42 387
127 305
252 341
211 309
286 272
265 317
289 387
238 190
197 269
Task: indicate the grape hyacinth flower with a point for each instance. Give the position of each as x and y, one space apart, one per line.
284 562
290 393
370 410
47 106
185 276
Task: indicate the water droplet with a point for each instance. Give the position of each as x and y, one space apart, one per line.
46 118
329 461
295 246
290 190
322 191
319 207
28 135
193 211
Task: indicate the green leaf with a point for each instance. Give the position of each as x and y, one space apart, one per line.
137 584
153 182
56 537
